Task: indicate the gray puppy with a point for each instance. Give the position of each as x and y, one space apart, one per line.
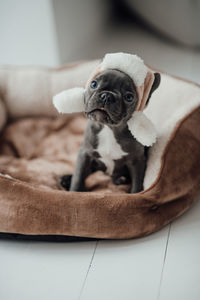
109 103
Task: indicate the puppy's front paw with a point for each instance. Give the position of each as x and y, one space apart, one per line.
65 181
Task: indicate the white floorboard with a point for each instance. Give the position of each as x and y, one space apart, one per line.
43 271
127 270
182 266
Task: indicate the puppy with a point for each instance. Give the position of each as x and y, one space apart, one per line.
109 103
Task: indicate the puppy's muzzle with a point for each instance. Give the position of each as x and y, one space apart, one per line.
106 98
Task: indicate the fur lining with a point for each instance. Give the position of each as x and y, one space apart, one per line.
170 103
70 101
142 129
130 64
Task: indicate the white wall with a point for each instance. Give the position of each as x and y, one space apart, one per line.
50 32
80 26
27 33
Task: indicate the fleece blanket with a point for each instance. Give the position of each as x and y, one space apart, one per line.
37 147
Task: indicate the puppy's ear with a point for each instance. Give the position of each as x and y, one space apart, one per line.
155 85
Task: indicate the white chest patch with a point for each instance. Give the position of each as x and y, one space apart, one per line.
109 149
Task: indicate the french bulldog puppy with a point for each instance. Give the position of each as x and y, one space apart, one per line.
109 103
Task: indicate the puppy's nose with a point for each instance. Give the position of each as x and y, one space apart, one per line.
106 96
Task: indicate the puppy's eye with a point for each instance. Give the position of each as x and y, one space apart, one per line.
93 84
129 97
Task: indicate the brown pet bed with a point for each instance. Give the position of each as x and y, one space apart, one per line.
37 146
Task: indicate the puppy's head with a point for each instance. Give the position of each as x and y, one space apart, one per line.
116 94
110 97
120 84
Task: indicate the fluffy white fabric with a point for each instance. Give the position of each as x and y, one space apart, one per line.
142 129
169 104
130 64
70 101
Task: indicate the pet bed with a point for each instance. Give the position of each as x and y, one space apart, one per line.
37 146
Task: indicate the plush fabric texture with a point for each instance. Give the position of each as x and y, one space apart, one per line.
70 101
130 64
142 129
37 147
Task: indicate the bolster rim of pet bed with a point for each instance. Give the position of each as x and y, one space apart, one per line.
28 209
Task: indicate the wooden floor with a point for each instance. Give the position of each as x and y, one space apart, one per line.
162 266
